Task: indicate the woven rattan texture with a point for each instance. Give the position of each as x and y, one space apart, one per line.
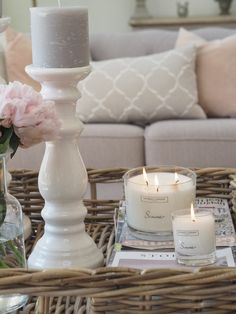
120 290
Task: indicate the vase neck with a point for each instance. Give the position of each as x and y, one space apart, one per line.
3 180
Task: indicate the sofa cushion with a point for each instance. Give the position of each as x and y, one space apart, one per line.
216 74
142 89
193 143
18 56
101 146
112 145
186 37
144 42
130 44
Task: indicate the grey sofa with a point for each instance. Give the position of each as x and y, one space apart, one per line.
193 143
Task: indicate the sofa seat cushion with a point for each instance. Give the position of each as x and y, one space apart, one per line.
112 145
193 143
101 146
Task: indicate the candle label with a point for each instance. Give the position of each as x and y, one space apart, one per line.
188 233
154 199
193 242
187 241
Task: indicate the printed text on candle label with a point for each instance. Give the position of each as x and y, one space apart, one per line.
154 199
149 215
187 246
188 233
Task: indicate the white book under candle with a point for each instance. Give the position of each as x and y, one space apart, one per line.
148 260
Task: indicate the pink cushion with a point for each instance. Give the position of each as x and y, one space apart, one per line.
18 55
185 37
216 73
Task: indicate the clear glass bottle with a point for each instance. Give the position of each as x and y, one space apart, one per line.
12 249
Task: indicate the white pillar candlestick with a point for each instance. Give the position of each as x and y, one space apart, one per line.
150 201
194 237
60 51
63 180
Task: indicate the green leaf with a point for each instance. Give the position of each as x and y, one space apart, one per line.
14 143
3 208
5 139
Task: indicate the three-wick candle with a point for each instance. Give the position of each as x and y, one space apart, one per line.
151 199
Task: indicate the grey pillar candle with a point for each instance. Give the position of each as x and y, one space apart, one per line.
60 37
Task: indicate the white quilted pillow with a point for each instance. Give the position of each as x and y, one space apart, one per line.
141 89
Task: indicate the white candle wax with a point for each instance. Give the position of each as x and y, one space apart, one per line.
60 37
149 209
194 238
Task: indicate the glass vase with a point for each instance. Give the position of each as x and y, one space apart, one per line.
12 249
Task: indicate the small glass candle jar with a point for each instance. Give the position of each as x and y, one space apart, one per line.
152 194
194 237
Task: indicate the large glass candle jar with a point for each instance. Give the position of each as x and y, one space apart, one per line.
152 194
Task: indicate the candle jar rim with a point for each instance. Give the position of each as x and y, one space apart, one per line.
161 169
199 212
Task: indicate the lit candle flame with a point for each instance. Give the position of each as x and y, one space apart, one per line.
59 3
176 178
192 213
156 182
145 176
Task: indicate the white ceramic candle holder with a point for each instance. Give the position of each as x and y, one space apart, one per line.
63 179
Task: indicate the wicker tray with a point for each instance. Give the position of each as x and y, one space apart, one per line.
120 290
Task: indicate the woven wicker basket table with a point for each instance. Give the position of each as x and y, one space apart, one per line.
119 290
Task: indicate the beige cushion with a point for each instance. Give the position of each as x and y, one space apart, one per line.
18 56
216 73
141 89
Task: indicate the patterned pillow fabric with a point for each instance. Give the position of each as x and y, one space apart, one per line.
141 89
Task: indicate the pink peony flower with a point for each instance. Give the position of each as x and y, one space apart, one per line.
33 119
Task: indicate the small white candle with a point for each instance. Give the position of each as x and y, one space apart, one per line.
149 206
60 37
194 235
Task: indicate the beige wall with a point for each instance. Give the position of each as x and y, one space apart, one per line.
108 15
104 15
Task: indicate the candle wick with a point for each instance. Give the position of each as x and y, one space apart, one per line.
157 188
176 181
147 183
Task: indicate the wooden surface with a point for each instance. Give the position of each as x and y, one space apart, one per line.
183 21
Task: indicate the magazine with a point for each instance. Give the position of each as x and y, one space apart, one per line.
225 231
147 260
